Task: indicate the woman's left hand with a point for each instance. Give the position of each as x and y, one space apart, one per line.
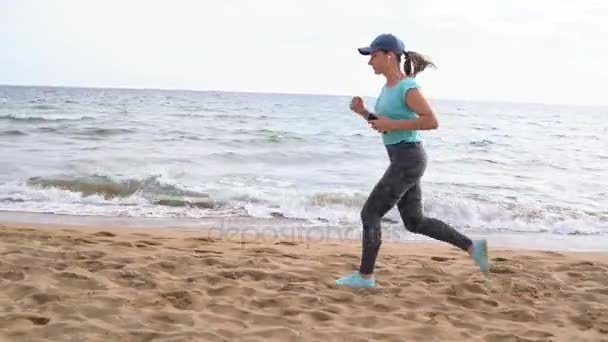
382 124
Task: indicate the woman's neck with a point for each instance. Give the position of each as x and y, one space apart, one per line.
393 77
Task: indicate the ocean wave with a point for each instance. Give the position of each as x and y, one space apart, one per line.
44 107
109 188
190 202
49 129
12 132
34 118
501 217
12 199
103 132
215 113
149 197
481 143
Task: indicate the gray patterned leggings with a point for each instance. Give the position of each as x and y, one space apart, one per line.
400 185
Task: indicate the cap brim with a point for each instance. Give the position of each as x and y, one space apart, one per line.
365 50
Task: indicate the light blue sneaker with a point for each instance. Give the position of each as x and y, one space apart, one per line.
480 255
357 281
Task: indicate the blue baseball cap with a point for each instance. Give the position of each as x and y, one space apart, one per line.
385 41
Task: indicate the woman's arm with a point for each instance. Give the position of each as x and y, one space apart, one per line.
426 119
418 104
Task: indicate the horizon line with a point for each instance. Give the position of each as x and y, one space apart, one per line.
263 92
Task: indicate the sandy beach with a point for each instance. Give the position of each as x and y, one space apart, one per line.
67 283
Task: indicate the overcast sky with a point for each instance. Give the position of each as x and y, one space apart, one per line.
535 50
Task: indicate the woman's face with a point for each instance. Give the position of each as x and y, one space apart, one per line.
380 61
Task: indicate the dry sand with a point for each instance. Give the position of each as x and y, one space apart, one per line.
112 284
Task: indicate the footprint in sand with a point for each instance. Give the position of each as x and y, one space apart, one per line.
286 243
589 266
441 259
165 317
458 323
426 278
263 303
60 266
85 241
11 252
583 263
104 234
575 275
290 312
501 269
38 320
89 255
518 315
122 244
216 261
342 297
203 239
147 243
166 265
253 274
477 288
96 266
230 291
552 253
278 334
471 302
320 316
140 234
204 251
182 300
67 230
131 278
500 337
41 298
143 335
589 319
290 256
73 275
298 289
343 256
13 275
150 243
538 334
262 250
379 307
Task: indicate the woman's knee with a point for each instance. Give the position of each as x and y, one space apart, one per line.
369 217
412 223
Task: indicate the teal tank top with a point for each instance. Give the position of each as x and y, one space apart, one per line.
391 103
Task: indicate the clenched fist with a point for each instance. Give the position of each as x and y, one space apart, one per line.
357 106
